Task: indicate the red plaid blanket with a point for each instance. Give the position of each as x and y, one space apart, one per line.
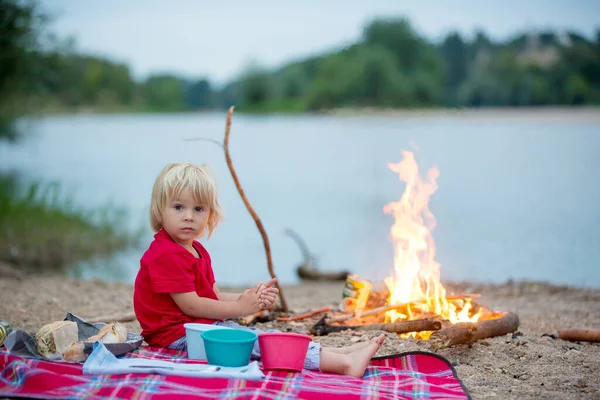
404 376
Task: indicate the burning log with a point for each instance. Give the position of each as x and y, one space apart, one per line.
466 332
580 335
322 328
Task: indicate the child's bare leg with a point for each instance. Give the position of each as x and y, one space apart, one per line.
353 364
354 347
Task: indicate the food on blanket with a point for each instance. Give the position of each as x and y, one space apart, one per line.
111 333
74 353
5 329
54 338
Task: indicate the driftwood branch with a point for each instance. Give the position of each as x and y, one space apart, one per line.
128 317
260 315
259 224
308 273
308 270
466 332
322 328
463 296
580 335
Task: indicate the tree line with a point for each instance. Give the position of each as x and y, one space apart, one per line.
390 66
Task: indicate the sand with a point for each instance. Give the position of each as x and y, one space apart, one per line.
523 366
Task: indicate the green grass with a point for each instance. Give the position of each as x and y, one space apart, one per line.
42 230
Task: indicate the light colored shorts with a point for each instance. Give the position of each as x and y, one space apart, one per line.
313 355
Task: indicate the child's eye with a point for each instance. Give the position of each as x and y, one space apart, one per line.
178 207
199 209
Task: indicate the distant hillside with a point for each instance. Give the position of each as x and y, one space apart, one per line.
391 66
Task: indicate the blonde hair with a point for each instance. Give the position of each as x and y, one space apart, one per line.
176 177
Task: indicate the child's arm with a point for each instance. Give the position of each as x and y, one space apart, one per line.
201 307
228 296
225 296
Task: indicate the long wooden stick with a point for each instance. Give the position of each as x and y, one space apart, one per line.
580 335
259 224
466 332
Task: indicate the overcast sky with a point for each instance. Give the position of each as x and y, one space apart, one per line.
198 38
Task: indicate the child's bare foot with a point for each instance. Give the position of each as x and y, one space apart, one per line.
360 358
351 349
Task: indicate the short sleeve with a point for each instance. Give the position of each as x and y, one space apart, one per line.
172 273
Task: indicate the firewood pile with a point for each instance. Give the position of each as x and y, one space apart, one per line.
439 331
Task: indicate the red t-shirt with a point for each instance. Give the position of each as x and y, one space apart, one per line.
166 267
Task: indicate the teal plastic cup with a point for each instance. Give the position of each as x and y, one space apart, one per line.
229 347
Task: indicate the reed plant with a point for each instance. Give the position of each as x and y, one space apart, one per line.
42 230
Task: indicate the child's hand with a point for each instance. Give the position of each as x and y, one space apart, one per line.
249 301
268 294
268 297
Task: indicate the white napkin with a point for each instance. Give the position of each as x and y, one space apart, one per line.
101 361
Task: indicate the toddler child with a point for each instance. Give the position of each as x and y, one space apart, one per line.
175 284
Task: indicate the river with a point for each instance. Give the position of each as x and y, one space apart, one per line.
518 197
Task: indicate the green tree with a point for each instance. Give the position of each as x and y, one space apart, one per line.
19 23
577 90
164 93
398 37
255 87
455 54
199 95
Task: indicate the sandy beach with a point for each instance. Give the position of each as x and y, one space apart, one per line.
526 366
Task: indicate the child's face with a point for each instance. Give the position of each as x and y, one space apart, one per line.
184 219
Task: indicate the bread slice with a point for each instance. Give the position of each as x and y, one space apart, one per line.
54 338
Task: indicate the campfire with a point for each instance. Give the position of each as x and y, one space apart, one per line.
412 301
415 281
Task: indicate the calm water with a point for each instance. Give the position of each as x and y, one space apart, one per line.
517 199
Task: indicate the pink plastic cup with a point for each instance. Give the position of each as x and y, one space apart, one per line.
284 351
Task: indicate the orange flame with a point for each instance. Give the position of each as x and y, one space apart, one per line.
416 275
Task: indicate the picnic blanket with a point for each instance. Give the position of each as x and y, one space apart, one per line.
413 375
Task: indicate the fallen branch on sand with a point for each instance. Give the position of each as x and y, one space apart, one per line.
298 317
496 324
579 335
128 317
321 328
262 314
